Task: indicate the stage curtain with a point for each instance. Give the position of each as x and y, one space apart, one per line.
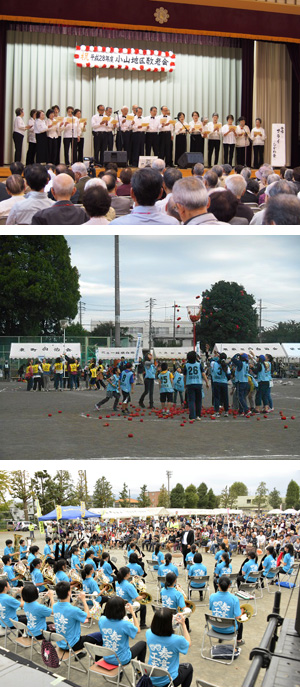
41 72
272 95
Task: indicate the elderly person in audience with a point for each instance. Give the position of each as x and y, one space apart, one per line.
36 178
237 185
146 189
198 169
171 175
63 211
81 178
96 201
282 210
224 206
192 201
274 189
125 186
120 204
15 186
98 181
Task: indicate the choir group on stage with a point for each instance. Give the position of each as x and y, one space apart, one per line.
137 134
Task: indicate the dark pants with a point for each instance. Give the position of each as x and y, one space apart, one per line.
29 384
18 141
242 391
67 143
242 155
109 140
194 392
80 145
180 146
51 150
220 395
149 388
228 149
123 141
185 550
138 651
258 153
152 143
100 145
165 147
185 675
105 400
180 395
31 152
58 144
37 382
41 147
213 147
94 638
138 145
197 143
262 394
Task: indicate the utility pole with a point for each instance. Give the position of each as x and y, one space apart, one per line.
81 309
260 309
169 475
174 319
151 302
117 293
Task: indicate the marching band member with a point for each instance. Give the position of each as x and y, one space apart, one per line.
226 605
90 585
60 571
67 620
33 553
35 612
8 549
181 131
112 623
258 137
89 558
23 550
157 556
47 548
229 136
152 142
222 568
165 136
8 570
134 567
167 567
165 646
36 574
197 569
127 591
250 566
214 138
242 141
171 597
75 560
195 128
106 567
9 606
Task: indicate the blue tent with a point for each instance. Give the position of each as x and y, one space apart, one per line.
69 513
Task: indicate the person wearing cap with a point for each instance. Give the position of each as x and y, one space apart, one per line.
263 372
241 365
214 138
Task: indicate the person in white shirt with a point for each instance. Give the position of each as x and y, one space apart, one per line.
152 132
30 156
52 136
165 136
15 186
195 127
214 138
181 131
258 136
138 137
242 141
18 133
99 133
124 131
81 132
110 128
56 109
70 127
229 135
40 130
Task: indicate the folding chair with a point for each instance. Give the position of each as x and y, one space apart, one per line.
160 578
151 565
113 559
233 578
139 668
204 590
223 623
24 642
293 573
117 672
65 655
272 582
7 632
201 683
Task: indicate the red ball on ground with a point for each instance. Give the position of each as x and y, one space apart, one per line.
49 414
283 417
130 435
106 424
293 417
285 426
59 411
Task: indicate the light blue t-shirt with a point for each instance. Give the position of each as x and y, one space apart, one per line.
8 609
126 590
178 381
164 653
164 569
90 561
90 586
8 550
10 574
150 371
107 569
217 373
165 382
74 561
61 576
221 569
47 550
224 605
113 383
159 557
219 554
126 380
269 565
197 570
37 578
135 569
67 619
31 557
116 635
172 598
288 561
248 568
36 615
23 551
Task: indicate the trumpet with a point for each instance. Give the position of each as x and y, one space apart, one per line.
140 586
188 604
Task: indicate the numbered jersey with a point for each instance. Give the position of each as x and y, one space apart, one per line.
165 382
193 373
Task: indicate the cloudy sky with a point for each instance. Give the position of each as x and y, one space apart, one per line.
179 268
136 473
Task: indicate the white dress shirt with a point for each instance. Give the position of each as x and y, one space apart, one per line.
40 126
192 125
19 126
214 134
153 124
230 138
167 127
97 123
242 141
180 128
137 122
259 138
30 132
71 130
53 131
124 124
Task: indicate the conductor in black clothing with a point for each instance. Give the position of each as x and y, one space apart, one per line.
187 540
63 211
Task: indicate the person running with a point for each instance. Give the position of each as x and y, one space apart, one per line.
126 386
112 390
149 378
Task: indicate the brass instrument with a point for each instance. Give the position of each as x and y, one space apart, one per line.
17 539
140 586
247 613
107 588
21 570
188 604
95 610
183 614
75 577
48 574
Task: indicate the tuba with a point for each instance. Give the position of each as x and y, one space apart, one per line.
140 586
247 613
75 578
17 539
107 587
21 570
188 604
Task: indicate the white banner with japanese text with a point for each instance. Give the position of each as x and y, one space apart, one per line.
133 59
278 145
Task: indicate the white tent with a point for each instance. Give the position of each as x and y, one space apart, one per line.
292 350
123 513
172 353
231 349
275 511
290 511
115 353
47 350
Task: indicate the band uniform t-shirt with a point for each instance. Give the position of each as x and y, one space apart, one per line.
116 635
67 619
164 653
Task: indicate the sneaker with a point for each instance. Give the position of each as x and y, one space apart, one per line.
80 655
97 407
198 418
225 414
141 404
144 627
248 414
240 642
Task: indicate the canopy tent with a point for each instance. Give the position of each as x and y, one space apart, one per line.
172 353
231 349
45 350
69 513
143 513
115 353
290 511
275 511
292 350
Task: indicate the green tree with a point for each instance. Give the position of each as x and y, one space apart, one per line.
124 497
191 497
82 488
202 495
274 498
283 332
76 329
177 497
40 488
108 329
38 285
212 501
103 496
228 314
61 489
143 498
227 500
238 489
292 495
260 499
5 485
21 489
163 497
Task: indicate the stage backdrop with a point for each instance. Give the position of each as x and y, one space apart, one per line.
41 72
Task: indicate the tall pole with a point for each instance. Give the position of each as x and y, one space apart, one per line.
260 319
150 324
117 293
169 475
174 330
